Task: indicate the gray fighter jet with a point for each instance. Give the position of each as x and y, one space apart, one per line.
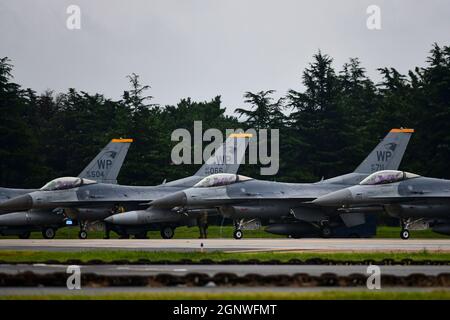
104 168
245 200
419 202
87 200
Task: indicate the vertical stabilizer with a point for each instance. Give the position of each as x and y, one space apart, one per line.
388 154
227 157
105 167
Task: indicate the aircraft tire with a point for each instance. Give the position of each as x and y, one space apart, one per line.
82 234
48 233
238 234
326 232
404 234
167 232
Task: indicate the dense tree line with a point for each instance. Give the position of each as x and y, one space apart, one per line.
326 127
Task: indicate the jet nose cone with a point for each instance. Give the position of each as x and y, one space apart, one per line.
177 199
337 198
20 203
126 218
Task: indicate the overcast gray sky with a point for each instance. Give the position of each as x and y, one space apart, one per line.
203 48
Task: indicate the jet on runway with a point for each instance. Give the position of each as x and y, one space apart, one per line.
87 200
419 202
245 200
105 168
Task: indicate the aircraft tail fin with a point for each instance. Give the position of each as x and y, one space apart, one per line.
105 167
228 157
388 154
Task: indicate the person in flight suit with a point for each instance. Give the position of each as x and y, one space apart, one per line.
202 222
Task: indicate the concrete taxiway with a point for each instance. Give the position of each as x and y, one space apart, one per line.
231 245
211 270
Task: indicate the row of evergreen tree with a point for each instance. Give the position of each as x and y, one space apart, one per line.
326 128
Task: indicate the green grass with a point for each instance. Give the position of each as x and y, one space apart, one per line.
227 232
394 233
111 255
322 295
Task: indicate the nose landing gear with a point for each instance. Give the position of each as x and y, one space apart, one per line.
238 234
404 234
83 233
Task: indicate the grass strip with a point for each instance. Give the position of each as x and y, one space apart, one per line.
321 295
12 256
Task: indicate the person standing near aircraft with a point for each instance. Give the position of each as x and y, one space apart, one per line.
202 222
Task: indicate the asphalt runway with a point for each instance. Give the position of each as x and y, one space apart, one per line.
211 270
231 245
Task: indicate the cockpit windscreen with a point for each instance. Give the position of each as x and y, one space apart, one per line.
387 176
220 179
66 183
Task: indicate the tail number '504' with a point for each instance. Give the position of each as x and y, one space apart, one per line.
95 174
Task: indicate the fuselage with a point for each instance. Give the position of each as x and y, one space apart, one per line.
254 199
96 200
418 197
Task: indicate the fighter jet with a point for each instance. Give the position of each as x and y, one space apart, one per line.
87 200
419 202
244 199
104 168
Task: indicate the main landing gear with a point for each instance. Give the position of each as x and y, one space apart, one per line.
325 229
48 233
167 232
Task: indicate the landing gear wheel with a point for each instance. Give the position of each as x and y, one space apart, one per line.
404 234
25 235
48 233
326 232
238 234
82 234
167 233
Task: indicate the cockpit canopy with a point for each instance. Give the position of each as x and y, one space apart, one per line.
387 176
66 183
220 179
